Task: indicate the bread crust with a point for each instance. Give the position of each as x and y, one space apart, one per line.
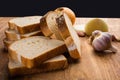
35 61
23 29
35 33
12 35
67 34
40 59
18 69
69 12
52 25
48 25
27 29
7 43
44 26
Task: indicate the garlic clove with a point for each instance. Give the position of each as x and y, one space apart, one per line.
81 34
115 38
113 49
80 29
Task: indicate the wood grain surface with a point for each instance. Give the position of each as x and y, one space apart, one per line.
91 66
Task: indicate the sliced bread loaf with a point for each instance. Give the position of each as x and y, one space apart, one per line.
69 35
25 24
12 34
35 33
34 50
17 68
48 24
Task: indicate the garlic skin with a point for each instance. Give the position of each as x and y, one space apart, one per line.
101 41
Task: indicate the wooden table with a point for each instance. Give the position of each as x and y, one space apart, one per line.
90 67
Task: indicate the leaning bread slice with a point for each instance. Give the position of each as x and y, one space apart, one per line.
34 50
18 69
12 34
25 24
35 33
51 25
69 35
44 26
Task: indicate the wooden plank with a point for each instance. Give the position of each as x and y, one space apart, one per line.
90 67
3 55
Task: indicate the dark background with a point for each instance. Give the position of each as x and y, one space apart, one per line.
82 8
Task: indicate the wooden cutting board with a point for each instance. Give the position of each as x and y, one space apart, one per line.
91 66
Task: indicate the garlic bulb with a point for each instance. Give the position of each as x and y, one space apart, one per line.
101 41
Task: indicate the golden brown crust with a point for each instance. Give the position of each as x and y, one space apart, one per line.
28 29
67 35
7 43
36 33
17 69
49 25
44 26
69 12
39 59
13 55
53 36
72 48
12 26
52 25
12 35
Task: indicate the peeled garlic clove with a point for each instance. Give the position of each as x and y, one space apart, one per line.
80 30
81 34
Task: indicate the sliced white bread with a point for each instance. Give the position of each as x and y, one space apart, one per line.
35 33
7 43
32 51
12 35
44 26
25 24
18 69
48 24
69 35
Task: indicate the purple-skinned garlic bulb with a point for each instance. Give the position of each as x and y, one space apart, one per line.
101 41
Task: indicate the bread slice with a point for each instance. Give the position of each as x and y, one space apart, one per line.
12 35
25 24
69 35
18 69
7 43
34 50
53 36
44 26
35 33
48 24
